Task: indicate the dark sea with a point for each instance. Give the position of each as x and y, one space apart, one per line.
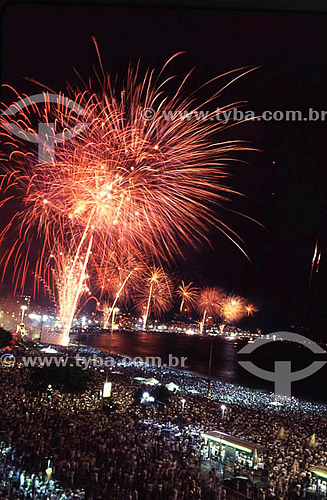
225 357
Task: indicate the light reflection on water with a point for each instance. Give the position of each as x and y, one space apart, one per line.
225 365
224 359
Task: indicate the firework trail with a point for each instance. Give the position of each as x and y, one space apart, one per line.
318 262
155 184
188 294
155 295
313 262
209 304
118 278
71 283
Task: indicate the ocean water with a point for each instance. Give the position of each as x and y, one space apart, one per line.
225 358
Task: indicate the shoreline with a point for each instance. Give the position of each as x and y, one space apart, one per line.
217 379
268 398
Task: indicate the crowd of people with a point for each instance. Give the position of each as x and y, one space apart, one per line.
57 445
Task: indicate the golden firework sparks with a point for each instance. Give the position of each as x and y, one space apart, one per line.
209 304
188 294
155 294
153 184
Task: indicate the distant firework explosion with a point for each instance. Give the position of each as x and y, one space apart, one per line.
105 306
209 304
154 183
117 278
188 295
250 309
233 309
155 295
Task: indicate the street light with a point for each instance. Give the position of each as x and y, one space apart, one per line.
209 368
44 317
23 308
114 310
108 384
106 393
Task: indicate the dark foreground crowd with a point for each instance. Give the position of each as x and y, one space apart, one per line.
60 446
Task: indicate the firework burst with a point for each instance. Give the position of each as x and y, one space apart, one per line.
188 295
209 304
233 309
250 309
156 294
71 283
118 278
154 184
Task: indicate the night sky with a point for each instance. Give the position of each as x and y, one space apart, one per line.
283 182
